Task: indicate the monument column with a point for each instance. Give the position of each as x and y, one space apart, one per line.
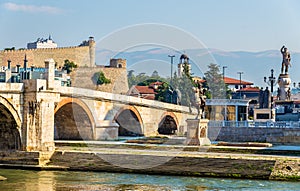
284 82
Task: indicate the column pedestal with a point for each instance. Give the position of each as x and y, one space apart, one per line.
284 82
197 132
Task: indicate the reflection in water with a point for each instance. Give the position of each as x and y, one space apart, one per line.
25 180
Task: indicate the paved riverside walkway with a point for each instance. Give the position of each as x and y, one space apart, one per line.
120 147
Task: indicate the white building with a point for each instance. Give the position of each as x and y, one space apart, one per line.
42 43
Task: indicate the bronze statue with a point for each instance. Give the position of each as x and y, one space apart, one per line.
286 59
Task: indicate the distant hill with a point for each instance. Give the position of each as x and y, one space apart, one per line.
254 65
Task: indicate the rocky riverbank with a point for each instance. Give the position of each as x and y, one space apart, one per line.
169 160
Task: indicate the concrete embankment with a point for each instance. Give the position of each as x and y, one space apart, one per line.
171 160
255 134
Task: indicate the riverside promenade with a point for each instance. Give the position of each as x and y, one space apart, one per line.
270 163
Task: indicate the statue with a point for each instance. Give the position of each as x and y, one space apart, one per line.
278 94
288 94
266 97
286 59
200 101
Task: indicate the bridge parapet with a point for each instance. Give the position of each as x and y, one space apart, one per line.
123 99
11 87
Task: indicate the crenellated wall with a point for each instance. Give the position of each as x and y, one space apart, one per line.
83 56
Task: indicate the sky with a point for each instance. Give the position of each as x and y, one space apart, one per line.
230 25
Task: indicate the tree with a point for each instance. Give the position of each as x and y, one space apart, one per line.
215 82
155 74
102 79
131 78
69 66
185 85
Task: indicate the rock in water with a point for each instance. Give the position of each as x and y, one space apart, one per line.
2 178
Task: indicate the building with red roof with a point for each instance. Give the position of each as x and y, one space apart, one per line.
234 84
145 92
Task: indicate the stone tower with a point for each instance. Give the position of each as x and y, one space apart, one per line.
183 59
92 49
117 63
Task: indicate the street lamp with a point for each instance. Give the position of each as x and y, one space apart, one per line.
224 67
240 73
171 56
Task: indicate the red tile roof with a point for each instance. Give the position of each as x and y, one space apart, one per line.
232 81
145 90
249 89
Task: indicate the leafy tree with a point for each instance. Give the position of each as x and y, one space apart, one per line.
12 48
161 92
184 86
102 79
69 66
215 82
131 78
155 74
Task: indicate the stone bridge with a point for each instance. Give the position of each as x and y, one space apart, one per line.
36 112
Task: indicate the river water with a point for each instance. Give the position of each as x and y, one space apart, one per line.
27 180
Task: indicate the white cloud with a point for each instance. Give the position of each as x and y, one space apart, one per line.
32 8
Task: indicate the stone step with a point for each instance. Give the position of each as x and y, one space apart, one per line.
19 157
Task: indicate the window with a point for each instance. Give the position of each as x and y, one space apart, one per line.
262 116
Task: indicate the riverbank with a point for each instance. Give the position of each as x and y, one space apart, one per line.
210 161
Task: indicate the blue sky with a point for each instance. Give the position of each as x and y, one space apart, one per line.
246 25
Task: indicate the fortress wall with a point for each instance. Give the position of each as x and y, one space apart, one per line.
79 55
86 78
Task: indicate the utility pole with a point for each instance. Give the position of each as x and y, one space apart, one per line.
224 67
171 56
240 73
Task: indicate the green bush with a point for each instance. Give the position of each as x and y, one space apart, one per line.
102 79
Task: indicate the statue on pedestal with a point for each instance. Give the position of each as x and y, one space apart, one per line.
286 59
284 79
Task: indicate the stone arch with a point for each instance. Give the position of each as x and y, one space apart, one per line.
73 120
10 126
130 121
168 124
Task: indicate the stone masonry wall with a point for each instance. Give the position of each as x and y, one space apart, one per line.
86 78
79 55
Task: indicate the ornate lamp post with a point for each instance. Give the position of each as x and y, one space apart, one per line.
271 82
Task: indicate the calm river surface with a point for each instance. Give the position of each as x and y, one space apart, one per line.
26 180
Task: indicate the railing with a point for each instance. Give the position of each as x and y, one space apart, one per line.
270 124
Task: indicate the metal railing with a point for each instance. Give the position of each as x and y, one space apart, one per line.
270 124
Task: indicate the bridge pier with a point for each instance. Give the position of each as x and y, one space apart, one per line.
38 116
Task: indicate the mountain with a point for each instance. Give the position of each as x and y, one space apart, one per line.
254 65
